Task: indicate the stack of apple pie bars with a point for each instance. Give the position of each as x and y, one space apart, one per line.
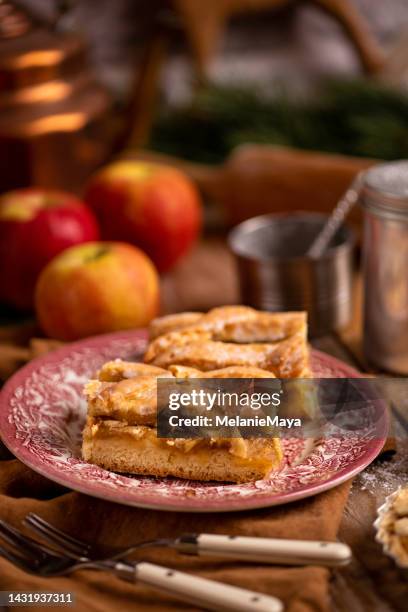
227 342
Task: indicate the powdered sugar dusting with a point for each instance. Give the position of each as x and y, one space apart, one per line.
46 413
384 477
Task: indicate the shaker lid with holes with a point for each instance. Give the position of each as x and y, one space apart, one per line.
385 189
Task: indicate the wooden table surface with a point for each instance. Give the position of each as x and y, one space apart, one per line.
371 583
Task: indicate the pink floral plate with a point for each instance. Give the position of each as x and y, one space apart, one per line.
42 413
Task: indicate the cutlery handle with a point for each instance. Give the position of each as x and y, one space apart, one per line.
266 550
207 594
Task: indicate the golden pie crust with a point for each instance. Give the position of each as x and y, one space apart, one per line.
232 336
228 342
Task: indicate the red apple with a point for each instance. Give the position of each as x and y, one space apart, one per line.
36 225
95 288
153 206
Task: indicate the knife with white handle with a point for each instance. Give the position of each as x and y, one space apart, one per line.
266 550
207 594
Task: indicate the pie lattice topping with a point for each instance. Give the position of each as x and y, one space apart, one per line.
227 342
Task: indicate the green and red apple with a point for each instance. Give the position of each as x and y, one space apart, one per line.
36 225
95 288
152 206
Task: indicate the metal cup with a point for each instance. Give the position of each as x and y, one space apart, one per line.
276 275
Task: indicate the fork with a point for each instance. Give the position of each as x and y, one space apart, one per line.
260 550
35 558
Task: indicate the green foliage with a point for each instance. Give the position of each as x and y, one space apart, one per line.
353 117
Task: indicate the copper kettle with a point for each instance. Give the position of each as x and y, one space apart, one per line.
54 117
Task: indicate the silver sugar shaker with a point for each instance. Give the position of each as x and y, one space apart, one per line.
384 197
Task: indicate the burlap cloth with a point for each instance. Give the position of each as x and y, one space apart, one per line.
302 589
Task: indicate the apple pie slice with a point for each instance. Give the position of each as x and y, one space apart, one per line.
120 433
227 342
232 336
